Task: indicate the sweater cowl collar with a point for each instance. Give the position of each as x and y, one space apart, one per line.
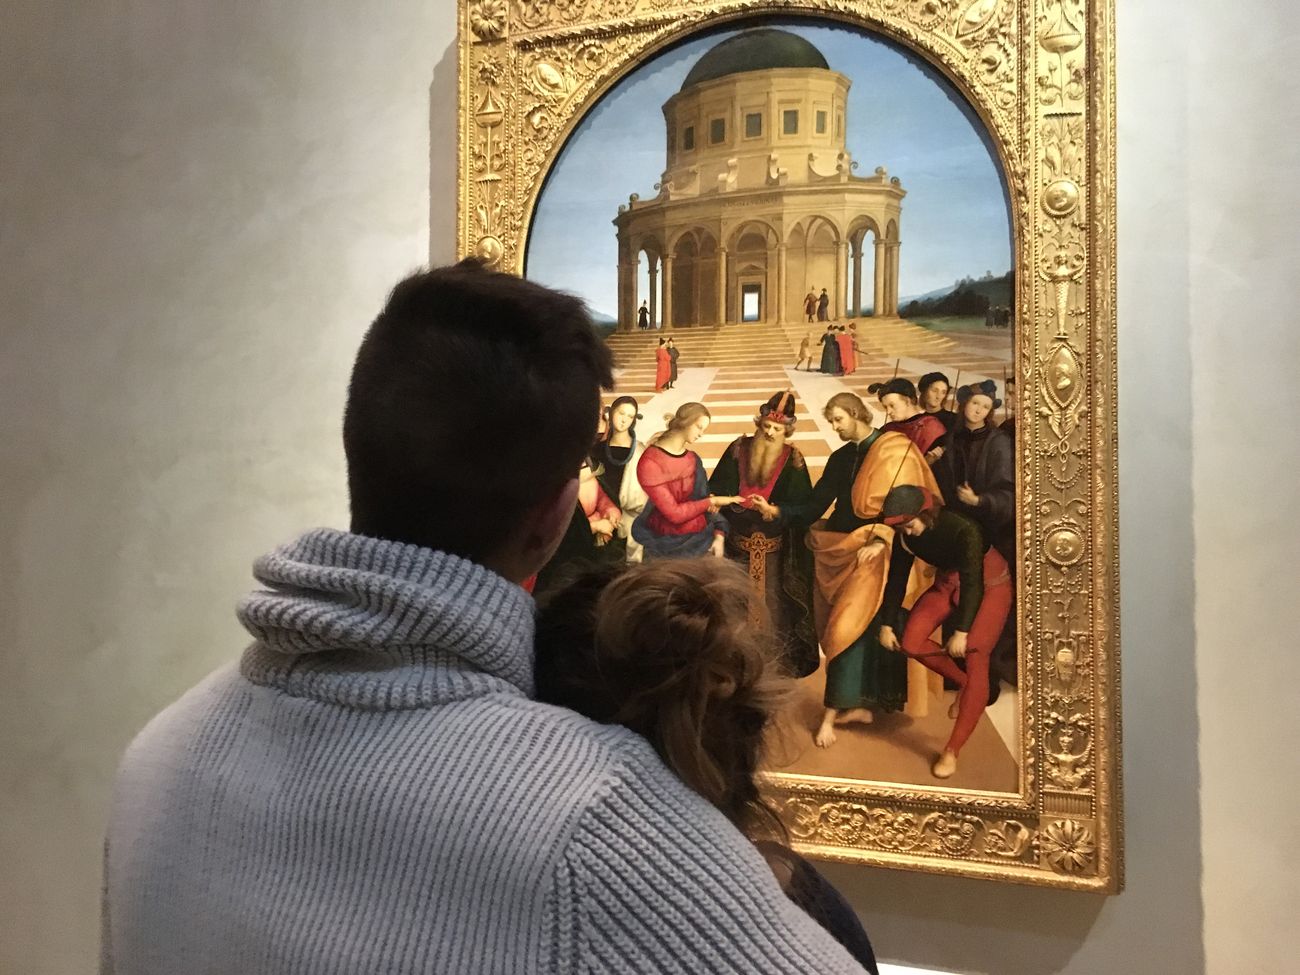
374 623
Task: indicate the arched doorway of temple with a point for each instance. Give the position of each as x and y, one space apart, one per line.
686 281
752 279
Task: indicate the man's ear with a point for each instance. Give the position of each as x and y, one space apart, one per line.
546 527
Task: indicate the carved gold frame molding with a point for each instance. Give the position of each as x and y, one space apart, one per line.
1040 73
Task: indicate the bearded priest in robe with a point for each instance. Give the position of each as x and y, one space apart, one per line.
766 533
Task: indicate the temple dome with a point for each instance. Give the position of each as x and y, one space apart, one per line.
755 50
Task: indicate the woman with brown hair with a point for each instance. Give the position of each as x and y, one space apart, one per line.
666 650
680 519
615 458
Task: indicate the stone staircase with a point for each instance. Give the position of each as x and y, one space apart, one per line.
888 338
760 342
748 343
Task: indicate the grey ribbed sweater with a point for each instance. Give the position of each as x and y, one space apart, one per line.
372 790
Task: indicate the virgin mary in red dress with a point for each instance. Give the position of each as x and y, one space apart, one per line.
676 522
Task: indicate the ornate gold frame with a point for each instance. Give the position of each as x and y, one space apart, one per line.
1040 73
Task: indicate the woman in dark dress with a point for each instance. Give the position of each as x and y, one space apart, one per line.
831 352
614 458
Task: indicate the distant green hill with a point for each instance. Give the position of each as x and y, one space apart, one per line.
969 296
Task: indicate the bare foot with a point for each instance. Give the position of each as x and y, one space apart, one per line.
944 765
825 736
854 716
955 708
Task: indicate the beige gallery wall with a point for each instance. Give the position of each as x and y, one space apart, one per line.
202 204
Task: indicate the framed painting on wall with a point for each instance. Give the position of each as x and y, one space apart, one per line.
857 258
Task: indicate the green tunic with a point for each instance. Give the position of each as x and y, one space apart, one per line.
788 576
955 543
865 675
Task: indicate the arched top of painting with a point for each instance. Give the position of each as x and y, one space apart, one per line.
718 60
755 50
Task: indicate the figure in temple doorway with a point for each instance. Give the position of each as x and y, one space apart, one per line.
810 306
767 528
823 306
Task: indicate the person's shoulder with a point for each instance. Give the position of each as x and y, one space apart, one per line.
605 746
843 455
958 523
604 770
891 440
736 446
654 460
209 692
169 732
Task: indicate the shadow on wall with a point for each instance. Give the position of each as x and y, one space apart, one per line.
442 158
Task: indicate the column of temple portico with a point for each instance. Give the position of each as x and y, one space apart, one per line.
653 271
626 308
857 280
841 268
722 285
633 284
892 279
878 298
782 299
668 291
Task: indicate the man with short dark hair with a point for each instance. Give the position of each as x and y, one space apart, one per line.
371 788
977 475
933 389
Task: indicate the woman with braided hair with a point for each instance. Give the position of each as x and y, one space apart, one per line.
666 649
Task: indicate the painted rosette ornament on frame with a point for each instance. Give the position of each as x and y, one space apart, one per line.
855 262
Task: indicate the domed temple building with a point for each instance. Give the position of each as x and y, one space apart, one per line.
758 204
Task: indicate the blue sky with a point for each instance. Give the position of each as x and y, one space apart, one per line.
901 115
